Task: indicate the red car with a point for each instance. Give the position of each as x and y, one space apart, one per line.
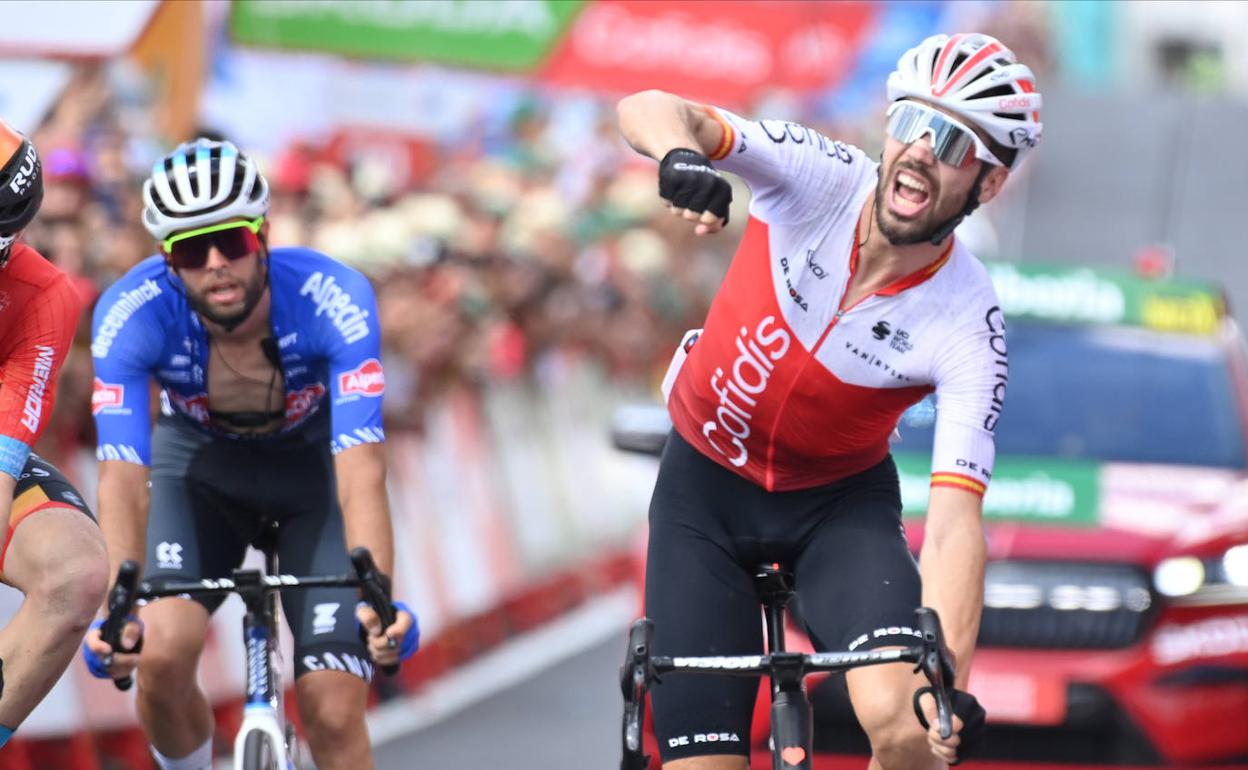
1115 625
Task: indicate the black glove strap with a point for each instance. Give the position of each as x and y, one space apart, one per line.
966 707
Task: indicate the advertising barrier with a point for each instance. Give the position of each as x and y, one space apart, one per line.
509 509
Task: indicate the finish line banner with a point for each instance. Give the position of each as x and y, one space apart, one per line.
505 35
727 53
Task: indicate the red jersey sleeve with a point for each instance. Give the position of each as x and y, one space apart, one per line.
38 342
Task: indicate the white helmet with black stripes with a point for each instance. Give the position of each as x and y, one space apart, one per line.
977 78
202 183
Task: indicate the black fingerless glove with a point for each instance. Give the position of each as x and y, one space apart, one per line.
689 181
966 707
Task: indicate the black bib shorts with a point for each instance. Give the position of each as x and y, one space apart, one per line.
857 584
211 497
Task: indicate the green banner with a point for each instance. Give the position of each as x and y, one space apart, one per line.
493 34
1037 491
1083 295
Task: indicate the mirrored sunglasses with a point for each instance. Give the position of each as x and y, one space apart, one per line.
952 142
235 240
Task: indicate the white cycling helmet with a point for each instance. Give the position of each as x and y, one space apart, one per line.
977 78
202 183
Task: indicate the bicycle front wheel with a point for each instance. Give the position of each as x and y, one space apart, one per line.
259 753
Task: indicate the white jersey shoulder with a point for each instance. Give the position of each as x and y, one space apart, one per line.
794 172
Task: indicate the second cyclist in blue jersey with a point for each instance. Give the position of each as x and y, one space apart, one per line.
268 364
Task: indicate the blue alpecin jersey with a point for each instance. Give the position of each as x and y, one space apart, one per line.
324 320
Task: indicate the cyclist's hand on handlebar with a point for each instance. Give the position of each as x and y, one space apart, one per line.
968 727
102 661
398 642
692 189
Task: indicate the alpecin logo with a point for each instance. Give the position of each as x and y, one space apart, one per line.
105 396
332 301
365 380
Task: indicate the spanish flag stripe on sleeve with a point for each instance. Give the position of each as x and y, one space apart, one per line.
729 138
958 481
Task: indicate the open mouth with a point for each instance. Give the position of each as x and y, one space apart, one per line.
225 293
910 194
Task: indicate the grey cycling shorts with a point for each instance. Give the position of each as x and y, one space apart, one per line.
212 495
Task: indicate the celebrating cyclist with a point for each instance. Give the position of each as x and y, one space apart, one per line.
52 552
849 299
271 391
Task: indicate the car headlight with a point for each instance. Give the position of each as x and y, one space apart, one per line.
1219 580
1235 565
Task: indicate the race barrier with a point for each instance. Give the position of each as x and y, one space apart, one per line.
510 509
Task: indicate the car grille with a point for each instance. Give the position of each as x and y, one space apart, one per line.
1064 605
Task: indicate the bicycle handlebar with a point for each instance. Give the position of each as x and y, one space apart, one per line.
127 590
375 588
640 669
937 666
120 602
635 676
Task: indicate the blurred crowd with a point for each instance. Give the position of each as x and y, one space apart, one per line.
496 257
493 260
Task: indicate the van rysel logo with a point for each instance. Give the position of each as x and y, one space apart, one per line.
350 321
750 373
881 330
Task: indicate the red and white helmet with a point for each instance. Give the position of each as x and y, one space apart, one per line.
977 78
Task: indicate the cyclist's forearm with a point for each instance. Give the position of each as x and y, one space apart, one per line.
656 122
952 566
361 473
7 485
122 511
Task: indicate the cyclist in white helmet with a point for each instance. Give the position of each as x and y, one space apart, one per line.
269 366
849 299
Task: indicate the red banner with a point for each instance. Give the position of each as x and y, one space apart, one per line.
723 52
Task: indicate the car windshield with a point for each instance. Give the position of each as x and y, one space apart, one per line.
1112 394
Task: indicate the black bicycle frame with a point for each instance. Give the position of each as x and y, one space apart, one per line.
791 717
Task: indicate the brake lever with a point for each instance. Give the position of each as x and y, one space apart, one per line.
937 665
120 603
375 589
635 677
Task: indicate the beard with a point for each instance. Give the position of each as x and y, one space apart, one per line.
905 232
230 320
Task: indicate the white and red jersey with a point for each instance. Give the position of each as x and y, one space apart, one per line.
789 389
